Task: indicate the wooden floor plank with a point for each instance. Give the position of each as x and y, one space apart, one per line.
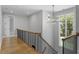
15 46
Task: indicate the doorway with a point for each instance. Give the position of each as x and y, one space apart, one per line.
8 25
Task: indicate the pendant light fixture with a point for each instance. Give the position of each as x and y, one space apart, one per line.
52 17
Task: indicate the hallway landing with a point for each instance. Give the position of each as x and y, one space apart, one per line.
15 46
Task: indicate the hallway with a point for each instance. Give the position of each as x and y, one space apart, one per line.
37 27
15 46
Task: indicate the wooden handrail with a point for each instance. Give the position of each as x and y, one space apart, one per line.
77 33
29 31
41 38
68 37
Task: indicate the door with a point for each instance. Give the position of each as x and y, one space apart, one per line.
8 26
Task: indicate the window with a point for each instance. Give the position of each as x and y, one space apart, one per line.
66 26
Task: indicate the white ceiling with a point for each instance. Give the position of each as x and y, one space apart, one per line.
29 9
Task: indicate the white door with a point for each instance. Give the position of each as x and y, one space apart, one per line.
8 27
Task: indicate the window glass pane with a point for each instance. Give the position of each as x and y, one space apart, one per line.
62 25
69 19
69 25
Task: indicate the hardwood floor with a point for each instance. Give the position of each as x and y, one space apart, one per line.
15 46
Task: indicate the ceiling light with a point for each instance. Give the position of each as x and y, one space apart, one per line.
52 18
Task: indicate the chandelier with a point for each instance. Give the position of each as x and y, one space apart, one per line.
53 18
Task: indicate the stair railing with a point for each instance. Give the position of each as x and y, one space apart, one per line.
70 45
36 41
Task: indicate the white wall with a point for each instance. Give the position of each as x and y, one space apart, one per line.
56 40
35 22
77 26
21 22
50 31
0 27
47 29
29 23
